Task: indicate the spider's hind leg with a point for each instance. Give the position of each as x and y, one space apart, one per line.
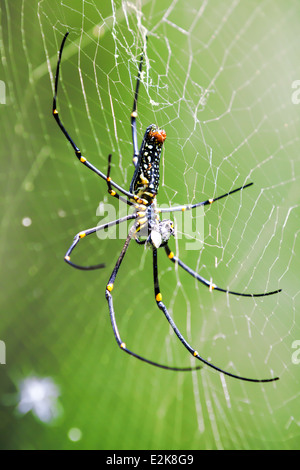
210 284
192 351
109 298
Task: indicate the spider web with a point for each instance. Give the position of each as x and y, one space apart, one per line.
218 77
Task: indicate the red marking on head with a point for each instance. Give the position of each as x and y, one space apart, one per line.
159 135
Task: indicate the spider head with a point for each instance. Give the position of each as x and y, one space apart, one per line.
161 234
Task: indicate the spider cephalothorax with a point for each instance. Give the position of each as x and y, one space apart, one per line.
147 227
161 234
152 231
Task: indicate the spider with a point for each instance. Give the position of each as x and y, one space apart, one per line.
147 228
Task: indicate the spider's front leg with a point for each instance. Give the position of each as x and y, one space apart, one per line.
76 149
113 193
192 351
134 114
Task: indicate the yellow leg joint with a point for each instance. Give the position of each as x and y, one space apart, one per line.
210 201
82 159
109 287
123 345
171 255
112 192
141 201
196 353
82 234
158 297
55 111
134 114
67 258
142 221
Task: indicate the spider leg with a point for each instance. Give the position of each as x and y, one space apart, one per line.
210 284
141 242
109 299
134 114
89 231
188 207
192 351
77 151
111 191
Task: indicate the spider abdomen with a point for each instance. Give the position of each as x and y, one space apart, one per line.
145 181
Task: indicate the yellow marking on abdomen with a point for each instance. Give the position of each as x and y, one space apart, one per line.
144 180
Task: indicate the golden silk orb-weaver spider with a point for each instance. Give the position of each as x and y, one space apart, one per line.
147 229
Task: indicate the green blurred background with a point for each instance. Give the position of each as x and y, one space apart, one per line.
218 76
